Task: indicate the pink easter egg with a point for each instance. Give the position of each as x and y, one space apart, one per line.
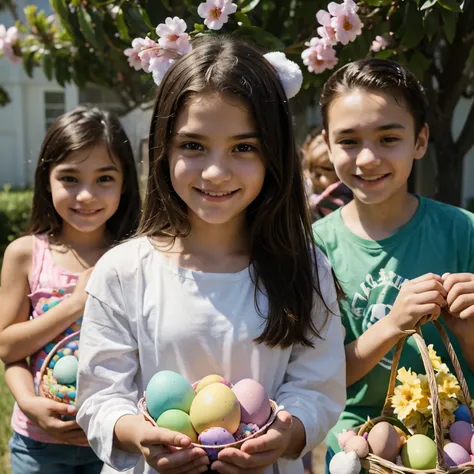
455 454
358 444
345 436
254 402
460 432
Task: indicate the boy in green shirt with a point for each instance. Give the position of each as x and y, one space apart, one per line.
398 257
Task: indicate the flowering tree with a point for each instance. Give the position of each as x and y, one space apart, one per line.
127 46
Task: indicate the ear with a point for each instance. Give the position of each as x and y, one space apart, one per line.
326 141
421 144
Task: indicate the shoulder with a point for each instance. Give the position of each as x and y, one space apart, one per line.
324 229
20 252
442 213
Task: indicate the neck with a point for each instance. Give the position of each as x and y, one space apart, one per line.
71 237
380 221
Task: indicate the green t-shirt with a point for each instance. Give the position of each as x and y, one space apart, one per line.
439 239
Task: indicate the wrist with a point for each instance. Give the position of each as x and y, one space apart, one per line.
26 401
126 433
388 330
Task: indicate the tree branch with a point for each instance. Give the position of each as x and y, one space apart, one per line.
466 139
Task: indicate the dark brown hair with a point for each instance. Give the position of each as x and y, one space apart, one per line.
377 75
282 251
81 128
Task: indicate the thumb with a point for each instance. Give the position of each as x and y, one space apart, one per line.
283 420
155 435
63 409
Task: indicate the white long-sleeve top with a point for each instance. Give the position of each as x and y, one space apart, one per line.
144 314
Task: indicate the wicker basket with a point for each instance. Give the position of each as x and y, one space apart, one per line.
375 464
212 450
43 378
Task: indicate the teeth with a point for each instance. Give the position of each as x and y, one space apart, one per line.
216 194
371 178
85 212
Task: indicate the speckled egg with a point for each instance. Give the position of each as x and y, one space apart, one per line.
254 402
215 406
454 454
177 420
460 432
384 441
65 370
358 444
462 414
168 390
215 437
210 379
419 452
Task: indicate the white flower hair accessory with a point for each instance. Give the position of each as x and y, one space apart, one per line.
288 71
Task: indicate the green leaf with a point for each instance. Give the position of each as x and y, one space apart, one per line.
449 21
199 27
248 6
122 26
243 18
28 62
97 22
48 66
61 9
428 4
419 64
385 54
135 22
431 23
451 5
61 67
30 13
85 25
261 37
413 26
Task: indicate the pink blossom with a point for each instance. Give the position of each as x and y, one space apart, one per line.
8 40
142 50
326 31
160 64
133 53
216 12
319 56
172 35
379 43
345 21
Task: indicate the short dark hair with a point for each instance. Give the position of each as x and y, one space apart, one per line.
377 75
279 225
81 128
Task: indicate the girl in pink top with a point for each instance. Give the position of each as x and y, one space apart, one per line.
86 199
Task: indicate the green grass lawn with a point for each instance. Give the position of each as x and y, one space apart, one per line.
6 405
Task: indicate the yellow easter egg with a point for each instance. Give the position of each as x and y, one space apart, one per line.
208 380
215 406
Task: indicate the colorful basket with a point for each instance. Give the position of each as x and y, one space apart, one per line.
375 464
212 450
47 385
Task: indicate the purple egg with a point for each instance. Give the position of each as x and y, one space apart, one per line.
215 437
454 454
460 432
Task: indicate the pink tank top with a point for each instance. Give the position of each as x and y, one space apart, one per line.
49 284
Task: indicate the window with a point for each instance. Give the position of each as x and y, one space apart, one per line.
101 97
54 106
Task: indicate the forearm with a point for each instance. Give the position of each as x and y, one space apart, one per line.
20 381
20 340
125 433
363 354
298 439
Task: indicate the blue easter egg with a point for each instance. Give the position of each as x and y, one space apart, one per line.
65 370
168 390
462 414
48 348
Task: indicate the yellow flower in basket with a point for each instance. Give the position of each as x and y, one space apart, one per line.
436 362
406 399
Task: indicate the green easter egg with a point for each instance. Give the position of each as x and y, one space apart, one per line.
65 370
177 420
419 452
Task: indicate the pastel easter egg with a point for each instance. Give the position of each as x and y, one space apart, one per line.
384 441
455 454
65 370
215 406
345 436
67 351
419 452
48 347
215 437
345 463
168 390
254 402
177 420
460 432
210 379
462 414
358 444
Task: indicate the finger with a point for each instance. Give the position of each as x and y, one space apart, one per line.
155 435
64 426
430 297
170 461
467 313
458 289
245 460
454 278
432 310
226 468
462 303
62 409
196 466
430 285
426 277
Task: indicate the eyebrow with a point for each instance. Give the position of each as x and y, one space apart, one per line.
388 126
242 136
72 169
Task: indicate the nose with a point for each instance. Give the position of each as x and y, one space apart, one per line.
368 158
85 194
217 168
